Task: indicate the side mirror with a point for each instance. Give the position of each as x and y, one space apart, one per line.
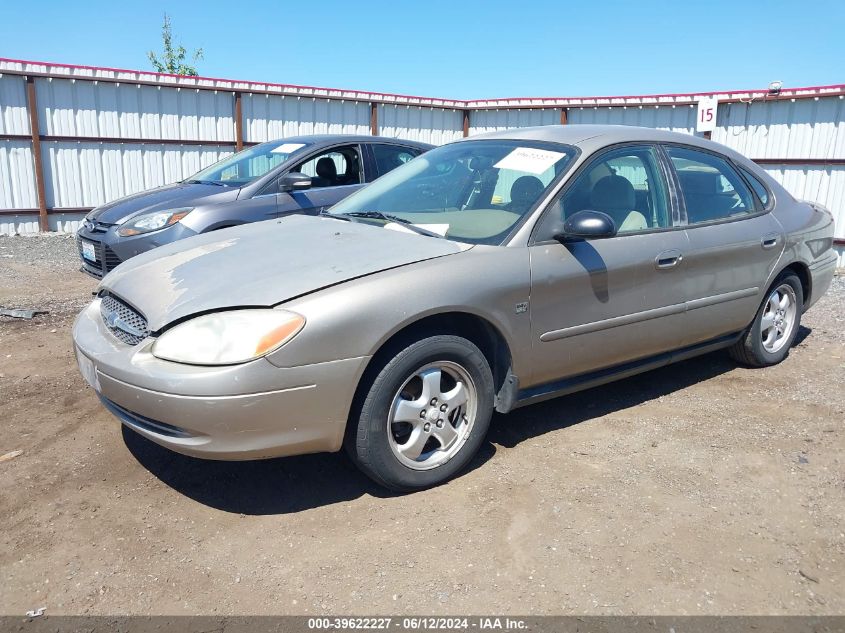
588 225
294 181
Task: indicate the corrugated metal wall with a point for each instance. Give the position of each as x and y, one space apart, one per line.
801 129
13 113
28 223
146 130
17 172
675 118
481 121
427 125
100 109
88 174
17 176
825 185
268 117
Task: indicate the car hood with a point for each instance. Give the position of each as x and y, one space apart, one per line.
262 264
162 198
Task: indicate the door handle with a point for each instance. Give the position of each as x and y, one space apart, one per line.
770 241
668 259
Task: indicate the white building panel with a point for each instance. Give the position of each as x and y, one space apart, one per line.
87 174
28 224
816 183
427 125
14 118
18 224
65 222
481 121
269 117
803 128
17 176
85 108
680 118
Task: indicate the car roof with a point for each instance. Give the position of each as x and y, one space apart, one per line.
318 140
591 137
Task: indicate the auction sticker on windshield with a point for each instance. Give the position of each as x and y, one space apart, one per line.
440 229
534 161
287 148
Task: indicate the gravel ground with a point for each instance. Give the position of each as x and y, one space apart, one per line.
41 273
702 488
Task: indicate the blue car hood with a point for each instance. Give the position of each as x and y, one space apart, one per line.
178 195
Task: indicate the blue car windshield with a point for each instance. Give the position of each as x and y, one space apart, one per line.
248 165
469 191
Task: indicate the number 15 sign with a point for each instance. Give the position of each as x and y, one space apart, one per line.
706 120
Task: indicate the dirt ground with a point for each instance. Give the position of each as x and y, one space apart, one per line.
702 488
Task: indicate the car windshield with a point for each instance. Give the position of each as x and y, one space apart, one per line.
245 166
470 191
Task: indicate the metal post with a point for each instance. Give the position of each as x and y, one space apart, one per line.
35 129
374 118
466 123
239 123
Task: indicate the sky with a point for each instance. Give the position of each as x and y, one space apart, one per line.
459 49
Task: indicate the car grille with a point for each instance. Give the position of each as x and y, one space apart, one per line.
110 258
107 259
123 321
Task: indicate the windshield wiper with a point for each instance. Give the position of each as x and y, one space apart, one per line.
388 217
206 182
336 216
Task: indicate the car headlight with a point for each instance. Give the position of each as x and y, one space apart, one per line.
152 221
228 338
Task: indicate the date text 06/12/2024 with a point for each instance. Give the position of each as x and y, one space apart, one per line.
417 623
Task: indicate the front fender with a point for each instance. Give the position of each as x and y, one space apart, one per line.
355 318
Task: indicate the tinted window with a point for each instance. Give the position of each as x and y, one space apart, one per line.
625 183
712 189
333 168
390 157
758 187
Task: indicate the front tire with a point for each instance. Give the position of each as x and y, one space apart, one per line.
424 415
775 326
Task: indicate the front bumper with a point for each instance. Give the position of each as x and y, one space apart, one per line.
110 249
248 411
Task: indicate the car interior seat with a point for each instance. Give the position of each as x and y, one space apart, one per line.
350 174
615 196
326 173
524 192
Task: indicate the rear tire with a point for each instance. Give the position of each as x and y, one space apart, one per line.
773 331
424 415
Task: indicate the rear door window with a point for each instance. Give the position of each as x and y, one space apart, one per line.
711 187
758 187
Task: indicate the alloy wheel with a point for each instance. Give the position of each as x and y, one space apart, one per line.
432 415
778 318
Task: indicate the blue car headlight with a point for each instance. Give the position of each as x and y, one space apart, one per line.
152 221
